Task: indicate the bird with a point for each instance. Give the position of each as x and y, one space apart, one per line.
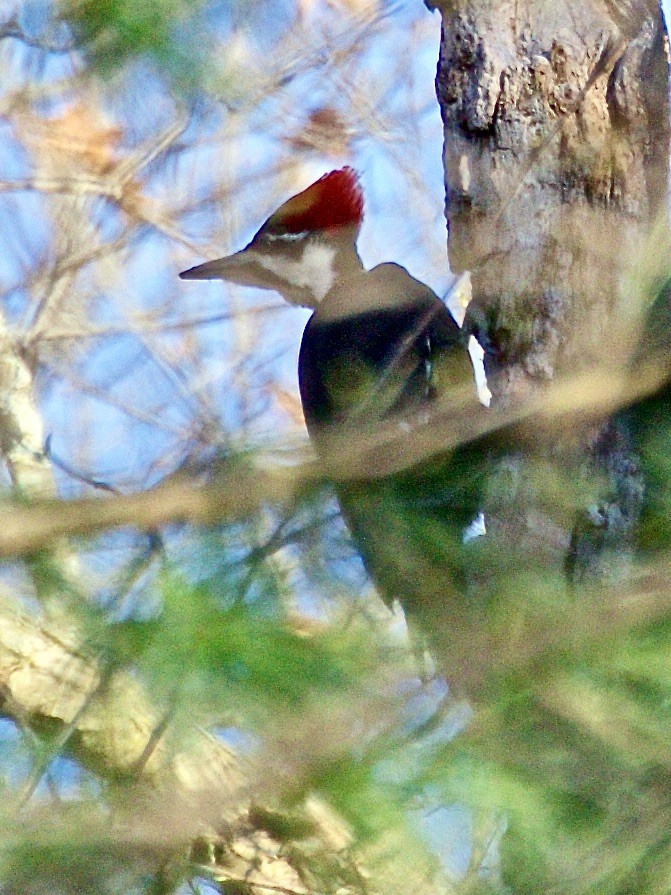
381 352
648 419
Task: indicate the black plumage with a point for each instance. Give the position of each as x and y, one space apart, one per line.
401 357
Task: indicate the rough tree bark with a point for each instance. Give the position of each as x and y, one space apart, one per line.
556 123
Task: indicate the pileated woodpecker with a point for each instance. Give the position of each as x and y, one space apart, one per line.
379 349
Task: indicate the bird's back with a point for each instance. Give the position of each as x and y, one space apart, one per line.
380 359
378 347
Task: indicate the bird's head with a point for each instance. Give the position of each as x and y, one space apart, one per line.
304 247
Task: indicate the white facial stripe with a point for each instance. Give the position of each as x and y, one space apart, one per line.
314 271
286 237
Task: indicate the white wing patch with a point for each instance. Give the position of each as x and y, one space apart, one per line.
314 271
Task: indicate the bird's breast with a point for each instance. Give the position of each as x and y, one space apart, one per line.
364 368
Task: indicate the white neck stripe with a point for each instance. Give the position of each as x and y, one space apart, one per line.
314 270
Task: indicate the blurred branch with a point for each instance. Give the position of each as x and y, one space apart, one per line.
106 721
147 323
238 489
21 431
301 53
48 674
235 494
12 29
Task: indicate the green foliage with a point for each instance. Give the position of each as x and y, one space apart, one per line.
650 420
568 743
116 31
244 656
573 750
67 860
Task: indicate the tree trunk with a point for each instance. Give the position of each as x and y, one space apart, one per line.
556 122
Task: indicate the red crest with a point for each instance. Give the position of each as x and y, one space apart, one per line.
333 201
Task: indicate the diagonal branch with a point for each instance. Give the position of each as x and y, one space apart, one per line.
238 489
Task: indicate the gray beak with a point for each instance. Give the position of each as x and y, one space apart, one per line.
231 268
